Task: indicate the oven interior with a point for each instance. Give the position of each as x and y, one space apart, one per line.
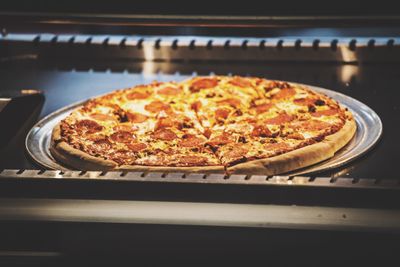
71 61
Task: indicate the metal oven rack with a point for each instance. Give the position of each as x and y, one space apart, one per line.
142 214
197 188
183 48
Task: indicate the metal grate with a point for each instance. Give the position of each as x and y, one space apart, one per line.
196 178
287 49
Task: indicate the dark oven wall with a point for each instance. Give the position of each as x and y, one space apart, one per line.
249 8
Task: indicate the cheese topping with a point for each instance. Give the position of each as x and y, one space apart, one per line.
203 121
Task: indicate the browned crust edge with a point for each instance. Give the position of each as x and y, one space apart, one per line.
302 157
197 169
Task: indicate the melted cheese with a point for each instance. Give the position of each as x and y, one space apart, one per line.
137 107
146 126
288 106
238 126
329 119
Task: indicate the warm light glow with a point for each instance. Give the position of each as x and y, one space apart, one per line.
148 51
346 54
347 72
148 70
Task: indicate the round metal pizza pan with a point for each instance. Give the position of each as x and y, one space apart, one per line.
369 130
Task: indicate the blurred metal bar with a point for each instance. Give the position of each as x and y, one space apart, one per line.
196 178
200 214
203 48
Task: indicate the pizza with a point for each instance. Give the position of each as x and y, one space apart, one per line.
226 124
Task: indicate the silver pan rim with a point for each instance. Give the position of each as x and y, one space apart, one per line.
369 132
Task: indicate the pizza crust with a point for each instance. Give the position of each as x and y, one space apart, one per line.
199 169
299 158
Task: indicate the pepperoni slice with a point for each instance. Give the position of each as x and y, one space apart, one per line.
233 102
89 126
137 95
122 156
192 141
276 147
196 106
297 136
126 128
99 147
102 145
237 152
281 118
328 112
207 132
136 117
170 91
222 113
240 82
136 147
122 137
251 120
167 123
203 83
156 106
304 101
96 137
312 125
261 131
285 93
164 134
102 117
263 107
222 139
193 160
317 125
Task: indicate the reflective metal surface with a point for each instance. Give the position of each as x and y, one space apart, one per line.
3 103
369 130
161 47
201 214
199 178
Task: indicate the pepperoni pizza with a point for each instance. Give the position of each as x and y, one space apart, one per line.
204 124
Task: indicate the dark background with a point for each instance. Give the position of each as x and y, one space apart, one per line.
207 7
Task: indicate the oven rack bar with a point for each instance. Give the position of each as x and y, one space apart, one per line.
201 48
198 178
200 214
